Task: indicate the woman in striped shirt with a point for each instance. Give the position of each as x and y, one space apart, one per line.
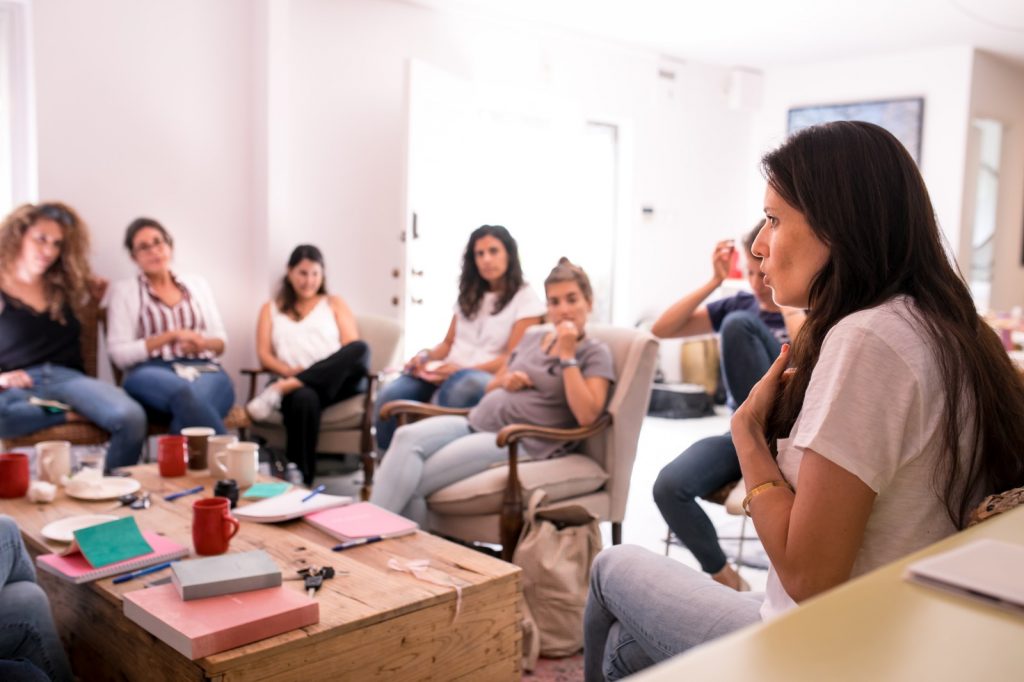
165 331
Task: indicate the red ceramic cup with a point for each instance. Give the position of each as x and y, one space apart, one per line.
213 526
14 476
172 455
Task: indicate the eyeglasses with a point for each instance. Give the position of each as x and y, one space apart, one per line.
155 244
57 214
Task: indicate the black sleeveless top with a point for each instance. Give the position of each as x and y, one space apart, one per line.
29 338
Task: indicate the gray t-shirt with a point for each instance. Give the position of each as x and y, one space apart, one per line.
545 403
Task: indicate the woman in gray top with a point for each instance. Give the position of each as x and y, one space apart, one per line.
554 377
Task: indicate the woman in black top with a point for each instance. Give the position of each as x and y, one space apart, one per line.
44 277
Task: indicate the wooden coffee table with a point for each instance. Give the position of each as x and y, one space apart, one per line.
375 623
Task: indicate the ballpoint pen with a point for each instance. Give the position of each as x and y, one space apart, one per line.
183 493
319 489
136 574
356 543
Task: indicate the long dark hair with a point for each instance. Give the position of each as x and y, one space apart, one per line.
286 296
472 286
863 196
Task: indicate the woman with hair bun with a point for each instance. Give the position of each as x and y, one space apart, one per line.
309 339
556 377
494 309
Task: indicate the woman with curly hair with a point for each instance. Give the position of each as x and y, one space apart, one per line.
494 309
44 286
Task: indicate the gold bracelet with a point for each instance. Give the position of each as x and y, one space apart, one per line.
758 489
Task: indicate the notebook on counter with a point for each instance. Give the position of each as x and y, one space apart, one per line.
361 520
287 506
225 574
203 627
76 568
983 570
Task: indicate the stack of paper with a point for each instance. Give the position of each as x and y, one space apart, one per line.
985 570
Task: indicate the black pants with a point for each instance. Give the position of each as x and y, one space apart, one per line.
329 381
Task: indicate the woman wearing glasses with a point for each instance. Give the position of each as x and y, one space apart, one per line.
165 331
44 287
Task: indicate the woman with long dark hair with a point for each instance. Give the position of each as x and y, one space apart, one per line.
901 413
309 339
44 288
494 309
165 331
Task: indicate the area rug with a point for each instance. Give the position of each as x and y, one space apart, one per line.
557 670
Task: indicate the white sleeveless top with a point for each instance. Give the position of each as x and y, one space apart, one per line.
307 341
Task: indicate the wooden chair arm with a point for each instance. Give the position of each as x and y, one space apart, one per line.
253 373
395 408
516 432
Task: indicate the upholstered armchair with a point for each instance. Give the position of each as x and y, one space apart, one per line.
488 507
345 427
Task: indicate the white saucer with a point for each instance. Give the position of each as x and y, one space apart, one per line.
106 488
62 530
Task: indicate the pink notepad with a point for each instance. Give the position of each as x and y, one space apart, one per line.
361 520
77 569
202 627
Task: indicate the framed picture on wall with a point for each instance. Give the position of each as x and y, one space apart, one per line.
901 117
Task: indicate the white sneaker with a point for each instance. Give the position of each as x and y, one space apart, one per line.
265 404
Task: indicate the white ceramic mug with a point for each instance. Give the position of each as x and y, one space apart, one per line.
215 444
239 461
54 457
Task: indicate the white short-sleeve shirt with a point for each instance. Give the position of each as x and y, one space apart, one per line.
873 406
485 336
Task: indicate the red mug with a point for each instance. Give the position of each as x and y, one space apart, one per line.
172 455
213 526
14 476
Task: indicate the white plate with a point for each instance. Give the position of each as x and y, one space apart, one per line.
62 530
107 488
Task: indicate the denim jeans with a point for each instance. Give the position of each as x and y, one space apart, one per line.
464 388
644 608
748 350
428 455
107 406
26 626
202 402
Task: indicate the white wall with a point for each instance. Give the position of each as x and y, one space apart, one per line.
941 76
145 108
997 92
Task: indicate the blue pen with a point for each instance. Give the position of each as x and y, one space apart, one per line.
314 491
356 543
183 493
135 574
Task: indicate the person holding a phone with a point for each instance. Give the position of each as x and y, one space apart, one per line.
165 332
494 309
902 413
45 286
309 339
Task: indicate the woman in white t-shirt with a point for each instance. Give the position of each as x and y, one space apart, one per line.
309 339
494 309
901 412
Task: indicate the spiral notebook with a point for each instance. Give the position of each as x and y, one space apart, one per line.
76 568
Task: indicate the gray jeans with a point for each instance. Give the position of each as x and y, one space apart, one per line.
644 608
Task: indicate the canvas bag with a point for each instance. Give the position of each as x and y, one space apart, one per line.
556 549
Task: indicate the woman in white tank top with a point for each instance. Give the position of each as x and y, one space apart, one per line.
309 339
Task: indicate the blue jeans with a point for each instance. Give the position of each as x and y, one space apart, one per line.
107 406
428 455
202 402
748 350
464 388
644 608
26 626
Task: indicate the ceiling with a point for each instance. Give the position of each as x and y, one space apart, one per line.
764 33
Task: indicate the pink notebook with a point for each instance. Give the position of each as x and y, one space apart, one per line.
361 520
202 627
77 569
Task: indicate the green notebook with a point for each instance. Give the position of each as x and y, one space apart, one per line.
267 489
110 542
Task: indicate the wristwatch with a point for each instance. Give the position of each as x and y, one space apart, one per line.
571 362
